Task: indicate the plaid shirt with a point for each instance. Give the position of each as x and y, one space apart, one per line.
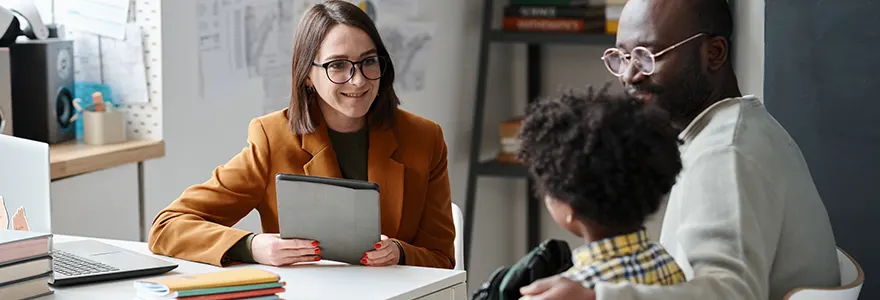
630 257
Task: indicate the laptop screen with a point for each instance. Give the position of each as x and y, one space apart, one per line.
24 184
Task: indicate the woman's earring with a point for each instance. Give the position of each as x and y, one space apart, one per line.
568 219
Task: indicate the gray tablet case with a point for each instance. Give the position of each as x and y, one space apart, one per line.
341 214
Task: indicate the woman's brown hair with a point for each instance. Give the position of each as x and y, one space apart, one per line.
310 33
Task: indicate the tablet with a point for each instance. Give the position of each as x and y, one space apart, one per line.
341 214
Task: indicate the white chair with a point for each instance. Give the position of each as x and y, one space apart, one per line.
851 280
459 237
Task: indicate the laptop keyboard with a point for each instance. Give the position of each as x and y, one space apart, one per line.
71 265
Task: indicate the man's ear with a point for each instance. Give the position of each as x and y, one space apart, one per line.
718 52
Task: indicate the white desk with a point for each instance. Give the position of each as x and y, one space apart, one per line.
323 280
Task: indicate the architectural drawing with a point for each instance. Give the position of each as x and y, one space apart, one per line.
408 44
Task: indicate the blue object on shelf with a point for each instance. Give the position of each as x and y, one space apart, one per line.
84 90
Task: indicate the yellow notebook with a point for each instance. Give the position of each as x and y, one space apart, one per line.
172 284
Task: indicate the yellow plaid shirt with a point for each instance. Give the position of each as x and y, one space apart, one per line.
630 257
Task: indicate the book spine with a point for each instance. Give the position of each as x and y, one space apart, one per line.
612 16
543 24
550 11
611 27
550 2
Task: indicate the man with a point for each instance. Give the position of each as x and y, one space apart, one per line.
744 214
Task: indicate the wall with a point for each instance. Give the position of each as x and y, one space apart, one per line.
748 45
830 110
201 134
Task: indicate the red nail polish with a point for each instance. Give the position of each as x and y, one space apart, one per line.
377 245
317 258
365 255
364 261
315 244
318 251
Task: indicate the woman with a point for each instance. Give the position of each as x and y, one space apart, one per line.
343 121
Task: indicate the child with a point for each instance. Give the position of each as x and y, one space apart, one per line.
603 164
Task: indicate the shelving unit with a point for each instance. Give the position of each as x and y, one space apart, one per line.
492 168
71 158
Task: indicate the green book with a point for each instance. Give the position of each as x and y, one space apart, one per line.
229 289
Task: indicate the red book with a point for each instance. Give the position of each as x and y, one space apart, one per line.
237 295
551 24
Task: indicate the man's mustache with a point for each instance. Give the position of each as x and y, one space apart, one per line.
633 89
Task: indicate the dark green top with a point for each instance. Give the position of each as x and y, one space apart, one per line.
351 153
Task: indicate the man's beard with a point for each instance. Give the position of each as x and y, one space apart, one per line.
684 100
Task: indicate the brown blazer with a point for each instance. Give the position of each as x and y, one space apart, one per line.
408 162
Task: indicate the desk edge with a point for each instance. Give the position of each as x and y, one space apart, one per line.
73 167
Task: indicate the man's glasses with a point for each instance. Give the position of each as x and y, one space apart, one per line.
342 70
617 62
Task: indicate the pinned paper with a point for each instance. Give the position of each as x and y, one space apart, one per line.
102 17
4 219
409 44
19 220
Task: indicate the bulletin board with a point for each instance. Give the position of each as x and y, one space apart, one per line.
144 119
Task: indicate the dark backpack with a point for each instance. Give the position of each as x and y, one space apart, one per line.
549 258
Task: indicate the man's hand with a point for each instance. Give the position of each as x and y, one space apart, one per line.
556 287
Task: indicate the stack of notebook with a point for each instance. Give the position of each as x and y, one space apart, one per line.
25 264
244 283
568 16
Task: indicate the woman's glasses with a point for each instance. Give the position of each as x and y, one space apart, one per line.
342 70
616 61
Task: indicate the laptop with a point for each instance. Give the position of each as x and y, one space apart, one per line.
24 183
341 214
88 261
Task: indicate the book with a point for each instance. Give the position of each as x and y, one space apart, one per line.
555 11
27 288
612 17
237 295
187 294
16 245
34 267
510 141
552 24
173 286
551 2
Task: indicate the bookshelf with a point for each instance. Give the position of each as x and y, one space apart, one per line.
549 38
491 168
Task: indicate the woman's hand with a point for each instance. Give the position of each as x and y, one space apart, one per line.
387 253
270 249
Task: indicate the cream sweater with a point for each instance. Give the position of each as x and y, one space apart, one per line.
745 220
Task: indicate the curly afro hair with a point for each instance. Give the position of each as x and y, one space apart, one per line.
610 157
